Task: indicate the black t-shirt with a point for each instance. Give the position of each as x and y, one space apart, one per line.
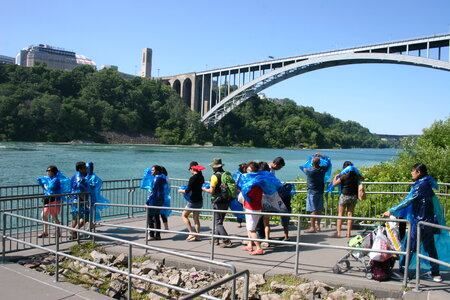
349 183
195 186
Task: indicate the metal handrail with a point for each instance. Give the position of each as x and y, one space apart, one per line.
129 243
212 235
426 257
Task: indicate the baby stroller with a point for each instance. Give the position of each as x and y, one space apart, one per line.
361 257
377 266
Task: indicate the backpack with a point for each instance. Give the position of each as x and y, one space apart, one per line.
227 188
382 270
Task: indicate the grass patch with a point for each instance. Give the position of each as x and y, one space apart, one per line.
286 279
82 250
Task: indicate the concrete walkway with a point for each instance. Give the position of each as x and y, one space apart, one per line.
314 263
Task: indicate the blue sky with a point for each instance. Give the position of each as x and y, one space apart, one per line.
188 36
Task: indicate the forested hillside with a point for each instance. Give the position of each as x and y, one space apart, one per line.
40 104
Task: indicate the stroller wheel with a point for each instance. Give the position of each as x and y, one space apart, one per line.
336 269
345 264
369 276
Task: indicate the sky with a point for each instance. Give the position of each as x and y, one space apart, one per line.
196 35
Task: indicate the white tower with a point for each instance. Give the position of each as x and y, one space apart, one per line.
146 66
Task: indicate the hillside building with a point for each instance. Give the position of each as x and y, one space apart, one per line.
52 57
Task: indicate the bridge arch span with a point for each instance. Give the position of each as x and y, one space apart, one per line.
257 85
177 86
187 91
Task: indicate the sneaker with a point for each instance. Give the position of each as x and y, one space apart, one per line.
227 244
435 278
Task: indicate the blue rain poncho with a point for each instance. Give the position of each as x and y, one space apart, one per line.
58 184
348 169
148 182
79 184
95 185
234 204
187 196
264 179
324 162
414 208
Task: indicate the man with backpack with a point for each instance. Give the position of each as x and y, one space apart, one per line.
223 191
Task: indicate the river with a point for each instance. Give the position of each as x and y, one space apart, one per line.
22 163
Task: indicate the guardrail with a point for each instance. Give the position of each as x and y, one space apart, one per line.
297 243
426 257
130 244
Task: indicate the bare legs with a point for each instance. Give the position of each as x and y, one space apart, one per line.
315 223
44 216
341 212
187 223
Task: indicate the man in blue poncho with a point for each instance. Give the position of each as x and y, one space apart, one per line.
80 203
156 198
315 171
420 205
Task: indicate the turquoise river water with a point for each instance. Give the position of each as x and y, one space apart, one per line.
22 163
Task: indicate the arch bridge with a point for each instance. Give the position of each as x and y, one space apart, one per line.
214 93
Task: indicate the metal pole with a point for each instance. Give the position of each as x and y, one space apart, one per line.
408 247
4 239
57 255
130 266
417 289
128 196
297 253
212 235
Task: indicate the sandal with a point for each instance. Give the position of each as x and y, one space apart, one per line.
257 252
336 235
247 248
42 235
318 228
311 230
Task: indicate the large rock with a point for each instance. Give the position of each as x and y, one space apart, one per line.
121 260
116 288
101 257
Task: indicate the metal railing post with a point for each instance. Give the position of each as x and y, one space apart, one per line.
129 197
4 239
417 288
213 234
57 255
130 266
297 247
408 247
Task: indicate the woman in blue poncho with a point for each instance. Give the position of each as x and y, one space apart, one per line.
418 206
52 205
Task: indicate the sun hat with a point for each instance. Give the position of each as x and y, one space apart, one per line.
216 163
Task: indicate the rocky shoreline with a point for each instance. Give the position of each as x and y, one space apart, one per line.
112 137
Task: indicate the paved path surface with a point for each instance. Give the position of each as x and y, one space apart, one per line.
314 263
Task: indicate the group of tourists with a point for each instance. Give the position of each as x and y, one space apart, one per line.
252 189
258 190
84 188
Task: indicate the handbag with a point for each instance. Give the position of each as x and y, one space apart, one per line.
361 192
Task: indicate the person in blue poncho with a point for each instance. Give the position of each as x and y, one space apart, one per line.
194 187
156 198
80 203
235 205
95 186
166 212
420 205
315 170
52 186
